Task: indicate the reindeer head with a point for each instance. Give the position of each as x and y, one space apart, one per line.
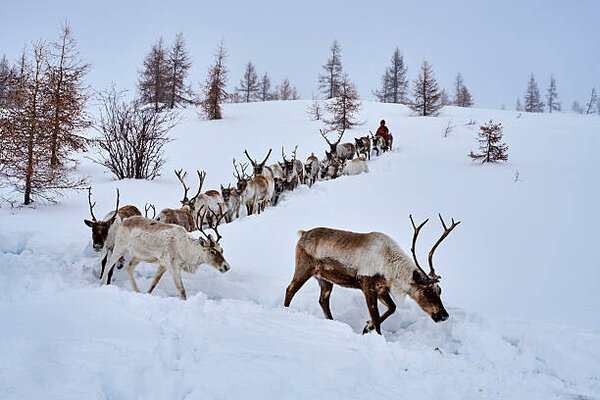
424 288
288 165
227 192
213 252
99 228
256 166
332 146
241 177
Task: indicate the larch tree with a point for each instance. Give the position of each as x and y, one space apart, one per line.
249 88
330 79
344 108
426 93
178 91
153 83
491 148
25 133
286 91
6 75
552 96
67 97
576 108
533 100
462 96
265 93
214 86
394 84
592 106
444 98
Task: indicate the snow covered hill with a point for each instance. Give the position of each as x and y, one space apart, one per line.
519 274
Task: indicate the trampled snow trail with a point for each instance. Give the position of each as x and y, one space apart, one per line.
517 275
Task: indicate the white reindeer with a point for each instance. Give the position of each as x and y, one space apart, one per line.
355 166
372 262
167 245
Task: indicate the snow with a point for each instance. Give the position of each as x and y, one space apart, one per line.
518 274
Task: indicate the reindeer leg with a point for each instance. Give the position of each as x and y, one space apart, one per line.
109 266
387 301
130 268
326 288
159 273
302 273
176 272
368 288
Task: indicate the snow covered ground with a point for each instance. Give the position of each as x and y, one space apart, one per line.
519 274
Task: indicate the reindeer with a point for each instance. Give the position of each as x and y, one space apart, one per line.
356 166
293 170
179 216
331 167
378 144
167 245
311 167
211 200
372 262
260 169
343 151
363 147
245 187
231 198
103 232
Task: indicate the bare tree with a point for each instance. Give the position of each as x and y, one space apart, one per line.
178 92
154 77
462 96
394 84
286 91
315 110
7 74
592 106
343 109
330 79
214 86
426 93
576 108
490 147
67 97
249 88
25 131
444 98
552 96
133 136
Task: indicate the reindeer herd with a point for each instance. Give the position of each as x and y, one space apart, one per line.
371 262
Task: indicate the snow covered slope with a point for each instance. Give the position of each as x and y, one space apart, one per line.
519 274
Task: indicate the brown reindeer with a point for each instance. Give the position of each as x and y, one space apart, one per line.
262 196
311 168
179 216
103 232
245 187
372 262
293 171
363 146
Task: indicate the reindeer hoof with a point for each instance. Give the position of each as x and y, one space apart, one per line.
368 327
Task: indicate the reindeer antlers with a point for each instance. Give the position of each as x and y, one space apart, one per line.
91 205
218 219
181 178
446 232
201 176
116 207
432 275
149 207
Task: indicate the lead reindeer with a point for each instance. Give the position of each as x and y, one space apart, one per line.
103 232
167 245
372 262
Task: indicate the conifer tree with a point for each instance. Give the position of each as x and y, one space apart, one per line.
249 89
576 108
286 91
265 88
533 100
462 96
6 76
592 106
343 109
444 98
491 148
178 91
426 93
67 97
552 96
153 84
214 86
519 106
394 84
330 79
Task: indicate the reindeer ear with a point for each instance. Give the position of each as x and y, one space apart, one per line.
418 277
88 222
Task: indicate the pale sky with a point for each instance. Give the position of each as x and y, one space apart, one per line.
496 45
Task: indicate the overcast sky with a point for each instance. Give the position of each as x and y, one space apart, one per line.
496 45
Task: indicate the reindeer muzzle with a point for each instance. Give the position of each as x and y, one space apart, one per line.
440 316
224 268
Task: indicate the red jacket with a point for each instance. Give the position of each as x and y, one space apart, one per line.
384 132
